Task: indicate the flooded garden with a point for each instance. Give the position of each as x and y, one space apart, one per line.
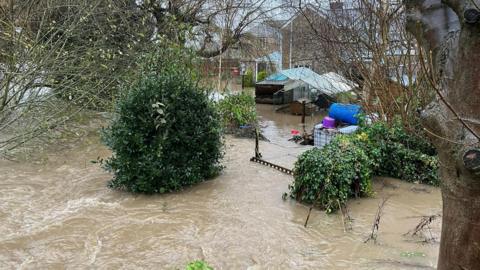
202 135
57 212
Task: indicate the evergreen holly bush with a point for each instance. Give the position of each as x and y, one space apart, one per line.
166 133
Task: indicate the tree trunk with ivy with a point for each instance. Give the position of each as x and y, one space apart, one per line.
449 33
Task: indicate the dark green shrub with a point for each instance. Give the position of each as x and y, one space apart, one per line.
261 76
166 134
401 154
237 110
331 175
248 79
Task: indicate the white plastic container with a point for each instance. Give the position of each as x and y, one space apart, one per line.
323 136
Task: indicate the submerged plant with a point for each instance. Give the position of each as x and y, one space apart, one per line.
238 110
329 176
401 154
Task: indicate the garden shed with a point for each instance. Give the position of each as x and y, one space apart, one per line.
279 89
300 83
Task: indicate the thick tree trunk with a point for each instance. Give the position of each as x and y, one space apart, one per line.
452 36
459 248
460 239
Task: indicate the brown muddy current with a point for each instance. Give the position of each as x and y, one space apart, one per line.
57 213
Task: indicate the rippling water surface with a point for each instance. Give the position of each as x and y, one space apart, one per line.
60 214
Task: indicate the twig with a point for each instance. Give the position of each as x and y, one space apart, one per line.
346 217
376 221
343 220
308 216
424 223
313 205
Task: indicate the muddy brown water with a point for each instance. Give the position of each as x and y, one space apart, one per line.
59 214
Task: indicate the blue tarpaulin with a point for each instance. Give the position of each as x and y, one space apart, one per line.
277 77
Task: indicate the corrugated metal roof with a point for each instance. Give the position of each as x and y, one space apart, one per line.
267 82
330 83
276 77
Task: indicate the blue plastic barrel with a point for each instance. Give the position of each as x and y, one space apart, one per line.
347 113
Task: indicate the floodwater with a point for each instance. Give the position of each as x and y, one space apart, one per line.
57 213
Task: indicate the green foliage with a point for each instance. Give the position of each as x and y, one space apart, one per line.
343 168
261 76
198 265
248 79
329 176
169 58
166 134
401 154
237 110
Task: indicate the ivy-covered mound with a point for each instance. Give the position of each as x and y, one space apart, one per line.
400 154
167 134
327 177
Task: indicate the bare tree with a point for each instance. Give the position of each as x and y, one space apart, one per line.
216 25
449 32
366 40
57 57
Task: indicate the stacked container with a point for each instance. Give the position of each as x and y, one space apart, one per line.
322 136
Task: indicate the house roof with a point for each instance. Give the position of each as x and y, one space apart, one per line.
301 12
267 28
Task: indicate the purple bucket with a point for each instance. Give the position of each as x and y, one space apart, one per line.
328 122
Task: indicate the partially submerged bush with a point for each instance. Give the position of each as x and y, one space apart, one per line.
167 134
398 153
327 177
343 168
237 110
